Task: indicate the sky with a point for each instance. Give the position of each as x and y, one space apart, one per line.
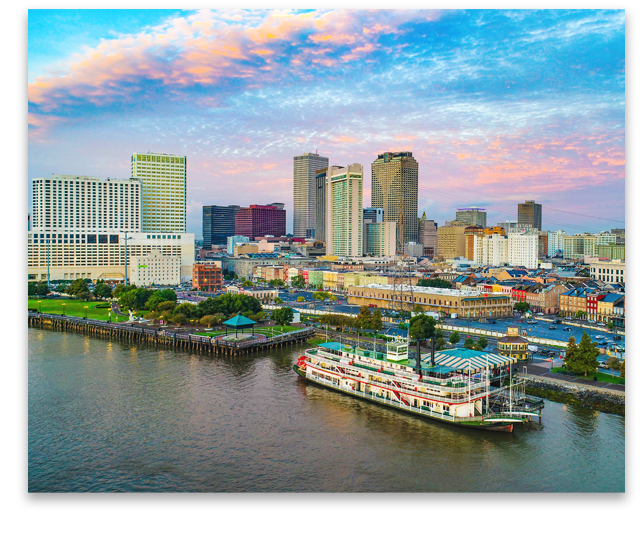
497 106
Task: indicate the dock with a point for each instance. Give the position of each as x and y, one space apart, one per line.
164 338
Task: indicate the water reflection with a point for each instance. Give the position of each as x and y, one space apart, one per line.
161 420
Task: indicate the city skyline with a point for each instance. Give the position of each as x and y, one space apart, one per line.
537 113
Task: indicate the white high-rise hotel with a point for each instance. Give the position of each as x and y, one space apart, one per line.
304 169
81 223
164 185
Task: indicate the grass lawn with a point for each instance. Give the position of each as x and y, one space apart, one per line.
602 377
76 308
268 331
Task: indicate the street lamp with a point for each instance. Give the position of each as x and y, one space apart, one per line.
39 311
126 263
85 313
63 309
110 315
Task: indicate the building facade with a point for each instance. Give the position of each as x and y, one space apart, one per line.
608 271
374 214
413 249
379 238
70 204
428 236
531 214
101 256
344 217
207 276
164 191
611 251
522 250
305 168
260 220
451 240
555 244
465 304
472 216
154 269
218 224
320 205
233 241
394 188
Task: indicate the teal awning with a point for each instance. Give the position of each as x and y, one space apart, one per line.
239 321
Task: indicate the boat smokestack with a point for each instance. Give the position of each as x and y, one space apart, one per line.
418 359
432 351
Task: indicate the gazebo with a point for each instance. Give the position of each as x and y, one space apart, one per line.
238 322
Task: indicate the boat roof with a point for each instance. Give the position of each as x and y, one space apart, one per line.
462 358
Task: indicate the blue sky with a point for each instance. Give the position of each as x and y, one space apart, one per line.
497 106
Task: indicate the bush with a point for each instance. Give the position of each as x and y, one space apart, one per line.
104 305
179 319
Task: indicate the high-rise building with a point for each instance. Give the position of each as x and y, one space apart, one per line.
260 220
233 241
395 189
428 235
320 204
305 168
531 214
490 249
218 224
163 192
78 204
374 214
451 240
473 216
522 249
379 238
413 249
555 243
344 217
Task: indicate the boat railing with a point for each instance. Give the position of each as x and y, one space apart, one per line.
388 401
436 384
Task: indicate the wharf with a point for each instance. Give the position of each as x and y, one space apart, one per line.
164 338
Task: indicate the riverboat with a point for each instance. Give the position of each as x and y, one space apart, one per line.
462 397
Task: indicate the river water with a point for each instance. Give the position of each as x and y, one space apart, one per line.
106 416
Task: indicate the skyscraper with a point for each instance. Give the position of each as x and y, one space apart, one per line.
428 235
218 224
395 189
531 214
376 215
164 184
261 220
305 168
320 205
473 216
344 219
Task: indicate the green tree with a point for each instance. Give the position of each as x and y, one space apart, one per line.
32 288
210 320
521 307
79 289
613 364
320 295
440 343
62 287
622 368
483 342
583 358
121 289
417 308
299 282
469 343
421 327
376 323
277 283
102 289
610 326
42 288
580 314
301 299
166 305
179 319
571 351
454 338
278 300
283 316
189 310
363 321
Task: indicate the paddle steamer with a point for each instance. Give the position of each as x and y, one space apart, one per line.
464 396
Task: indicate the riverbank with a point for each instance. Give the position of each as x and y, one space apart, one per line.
597 399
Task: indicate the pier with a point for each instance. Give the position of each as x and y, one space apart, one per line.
164 338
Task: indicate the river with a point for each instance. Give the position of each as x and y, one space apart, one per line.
107 416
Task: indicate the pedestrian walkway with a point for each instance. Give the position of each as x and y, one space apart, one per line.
543 372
